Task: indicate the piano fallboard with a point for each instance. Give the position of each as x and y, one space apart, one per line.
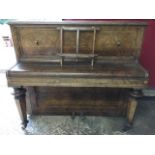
110 74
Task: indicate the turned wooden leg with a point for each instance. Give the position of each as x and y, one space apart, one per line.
132 105
19 94
131 109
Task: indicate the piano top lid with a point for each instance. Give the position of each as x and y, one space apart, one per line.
108 23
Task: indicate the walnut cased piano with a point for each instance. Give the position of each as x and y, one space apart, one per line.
89 68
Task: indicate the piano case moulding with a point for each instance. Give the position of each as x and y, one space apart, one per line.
88 68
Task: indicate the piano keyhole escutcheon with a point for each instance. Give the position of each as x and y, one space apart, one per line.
37 42
118 43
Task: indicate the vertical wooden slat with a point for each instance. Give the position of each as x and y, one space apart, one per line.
77 40
93 51
61 45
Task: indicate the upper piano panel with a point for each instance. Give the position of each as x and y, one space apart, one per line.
47 40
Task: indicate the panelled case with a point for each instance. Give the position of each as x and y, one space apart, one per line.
88 68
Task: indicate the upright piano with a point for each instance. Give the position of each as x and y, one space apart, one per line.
77 68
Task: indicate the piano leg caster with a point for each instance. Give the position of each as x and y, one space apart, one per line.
127 127
19 94
24 125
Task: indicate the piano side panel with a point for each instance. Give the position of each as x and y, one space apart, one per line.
88 101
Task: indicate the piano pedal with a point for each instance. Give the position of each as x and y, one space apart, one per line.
73 116
127 126
82 116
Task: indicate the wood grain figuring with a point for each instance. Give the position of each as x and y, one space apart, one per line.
132 105
39 41
16 42
31 99
86 68
88 101
110 41
102 75
70 82
79 70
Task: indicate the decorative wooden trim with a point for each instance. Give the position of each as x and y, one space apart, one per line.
77 82
55 58
19 93
31 99
136 93
131 109
108 23
16 42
